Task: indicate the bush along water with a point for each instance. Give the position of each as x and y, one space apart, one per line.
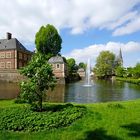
24 119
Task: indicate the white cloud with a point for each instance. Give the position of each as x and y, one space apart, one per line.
92 51
130 27
23 18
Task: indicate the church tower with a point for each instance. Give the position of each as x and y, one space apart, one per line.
120 58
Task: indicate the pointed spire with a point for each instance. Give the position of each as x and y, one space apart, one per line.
120 58
120 54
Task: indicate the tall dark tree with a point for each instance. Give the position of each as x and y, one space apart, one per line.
48 41
104 64
71 65
82 65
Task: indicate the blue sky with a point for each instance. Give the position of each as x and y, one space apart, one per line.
87 27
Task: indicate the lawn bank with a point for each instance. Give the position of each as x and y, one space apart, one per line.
110 121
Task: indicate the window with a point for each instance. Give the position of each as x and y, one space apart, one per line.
8 54
2 65
25 57
20 55
2 55
57 66
20 64
8 65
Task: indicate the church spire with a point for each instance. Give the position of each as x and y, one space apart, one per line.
120 57
120 54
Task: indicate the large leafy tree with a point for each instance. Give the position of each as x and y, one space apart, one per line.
40 79
47 40
104 64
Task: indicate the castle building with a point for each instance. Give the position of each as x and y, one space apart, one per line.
59 66
13 55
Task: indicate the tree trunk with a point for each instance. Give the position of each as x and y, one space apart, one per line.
40 104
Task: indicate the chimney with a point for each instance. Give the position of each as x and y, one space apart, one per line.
8 35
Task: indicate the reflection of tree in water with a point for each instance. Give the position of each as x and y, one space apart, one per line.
8 90
57 95
109 90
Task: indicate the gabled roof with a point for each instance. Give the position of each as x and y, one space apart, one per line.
10 44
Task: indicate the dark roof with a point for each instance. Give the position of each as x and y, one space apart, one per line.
56 59
10 44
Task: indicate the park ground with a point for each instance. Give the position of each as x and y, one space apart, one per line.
103 121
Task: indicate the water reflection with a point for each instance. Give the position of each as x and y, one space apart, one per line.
8 90
101 91
57 95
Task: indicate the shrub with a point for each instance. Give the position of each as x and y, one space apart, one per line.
24 119
117 106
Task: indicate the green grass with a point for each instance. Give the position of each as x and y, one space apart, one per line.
129 80
102 121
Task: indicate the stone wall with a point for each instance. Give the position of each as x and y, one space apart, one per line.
11 76
14 76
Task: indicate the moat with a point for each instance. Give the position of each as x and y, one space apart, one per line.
100 91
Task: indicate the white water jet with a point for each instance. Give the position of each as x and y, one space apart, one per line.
87 78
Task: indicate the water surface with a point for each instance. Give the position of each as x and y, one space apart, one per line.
100 91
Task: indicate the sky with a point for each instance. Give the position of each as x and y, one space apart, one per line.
86 27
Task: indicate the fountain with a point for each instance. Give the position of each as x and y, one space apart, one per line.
87 78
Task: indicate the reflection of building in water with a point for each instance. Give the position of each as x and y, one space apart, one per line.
59 68
57 95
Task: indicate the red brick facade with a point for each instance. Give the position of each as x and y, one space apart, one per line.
13 55
13 59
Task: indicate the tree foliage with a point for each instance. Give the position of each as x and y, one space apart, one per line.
82 65
40 79
104 64
120 71
47 40
72 67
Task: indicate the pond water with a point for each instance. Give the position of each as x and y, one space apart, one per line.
100 91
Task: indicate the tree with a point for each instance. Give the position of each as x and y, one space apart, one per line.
48 41
72 67
40 79
136 71
120 72
104 64
82 65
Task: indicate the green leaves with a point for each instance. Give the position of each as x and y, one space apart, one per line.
104 64
40 79
23 119
48 40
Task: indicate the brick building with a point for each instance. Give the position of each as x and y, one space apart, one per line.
59 66
13 55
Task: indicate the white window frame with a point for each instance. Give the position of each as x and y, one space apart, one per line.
2 55
7 65
2 63
57 66
8 54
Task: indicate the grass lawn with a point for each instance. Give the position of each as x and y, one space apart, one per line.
103 121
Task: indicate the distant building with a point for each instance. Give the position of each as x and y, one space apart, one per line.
119 59
13 55
59 66
81 72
